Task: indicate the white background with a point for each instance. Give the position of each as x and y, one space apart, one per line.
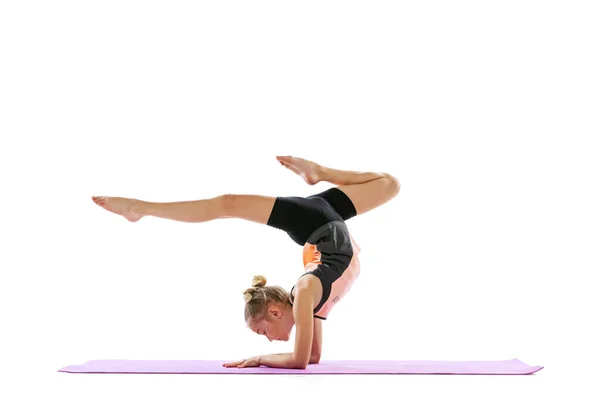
486 112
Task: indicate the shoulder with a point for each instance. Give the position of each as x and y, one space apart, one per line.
308 288
308 282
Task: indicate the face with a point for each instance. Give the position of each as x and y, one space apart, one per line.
277 326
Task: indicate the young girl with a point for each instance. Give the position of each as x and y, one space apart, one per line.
315 222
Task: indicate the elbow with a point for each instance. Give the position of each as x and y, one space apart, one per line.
314 359
302 364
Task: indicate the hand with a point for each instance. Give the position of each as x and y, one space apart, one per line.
249 362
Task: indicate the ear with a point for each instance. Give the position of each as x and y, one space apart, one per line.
275 311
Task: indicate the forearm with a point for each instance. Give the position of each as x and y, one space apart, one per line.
282 360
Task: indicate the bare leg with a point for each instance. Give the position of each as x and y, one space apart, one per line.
367 190
249 207
313 173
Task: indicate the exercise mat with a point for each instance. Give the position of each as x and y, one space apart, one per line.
506 367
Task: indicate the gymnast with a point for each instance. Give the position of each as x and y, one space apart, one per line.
316 222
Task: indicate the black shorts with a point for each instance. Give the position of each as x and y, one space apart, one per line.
301 216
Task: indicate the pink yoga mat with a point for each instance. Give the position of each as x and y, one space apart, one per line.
507 367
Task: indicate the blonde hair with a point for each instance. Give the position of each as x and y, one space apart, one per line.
259 297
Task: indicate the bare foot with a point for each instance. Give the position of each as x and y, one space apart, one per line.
308 170
118 205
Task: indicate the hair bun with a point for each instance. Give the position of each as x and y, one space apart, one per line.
259 281
247 296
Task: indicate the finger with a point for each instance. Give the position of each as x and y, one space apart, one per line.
233 364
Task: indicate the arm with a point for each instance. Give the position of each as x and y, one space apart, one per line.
303 316
283 360
315 352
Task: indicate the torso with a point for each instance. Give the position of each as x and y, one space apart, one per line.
331 266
